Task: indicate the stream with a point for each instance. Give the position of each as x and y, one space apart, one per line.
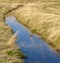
36 49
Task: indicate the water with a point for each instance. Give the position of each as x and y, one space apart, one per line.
36 49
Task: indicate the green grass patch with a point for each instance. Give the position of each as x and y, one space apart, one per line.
33 30
15 53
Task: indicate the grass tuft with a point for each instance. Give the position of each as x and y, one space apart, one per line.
17 53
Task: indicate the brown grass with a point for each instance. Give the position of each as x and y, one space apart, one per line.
7 39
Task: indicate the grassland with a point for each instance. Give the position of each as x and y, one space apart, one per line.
42 18
9 51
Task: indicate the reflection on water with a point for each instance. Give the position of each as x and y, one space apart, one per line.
36 49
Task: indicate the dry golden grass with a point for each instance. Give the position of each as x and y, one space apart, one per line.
7 39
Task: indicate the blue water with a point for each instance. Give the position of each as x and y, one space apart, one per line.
36 49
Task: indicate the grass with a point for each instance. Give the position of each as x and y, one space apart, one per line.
15 53
34 31
5 36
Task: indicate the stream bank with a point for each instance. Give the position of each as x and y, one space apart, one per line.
36 49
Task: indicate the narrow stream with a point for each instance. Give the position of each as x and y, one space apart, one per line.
36 49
